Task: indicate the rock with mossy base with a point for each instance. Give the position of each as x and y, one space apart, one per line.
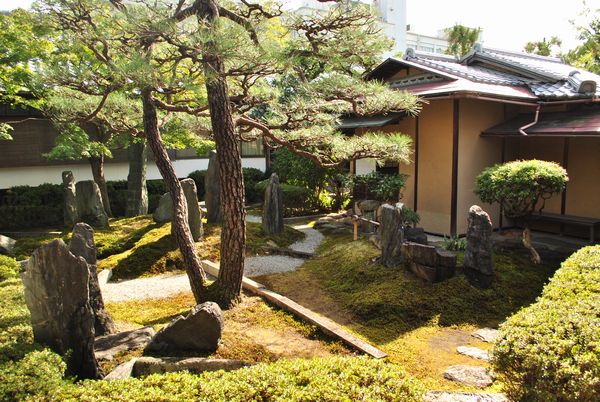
392 234
200 331
164 211
478 263
107 346
57 296
90 208
70 199
82 245
272 220
474 376
447 396
145 366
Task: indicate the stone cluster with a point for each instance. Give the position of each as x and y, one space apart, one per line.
428 262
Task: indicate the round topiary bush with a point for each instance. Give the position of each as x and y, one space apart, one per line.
550 351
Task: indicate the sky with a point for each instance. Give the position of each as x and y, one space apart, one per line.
506 24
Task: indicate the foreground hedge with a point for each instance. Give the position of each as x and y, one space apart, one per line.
320 379
550 351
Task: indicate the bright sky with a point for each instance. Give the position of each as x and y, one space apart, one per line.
507 24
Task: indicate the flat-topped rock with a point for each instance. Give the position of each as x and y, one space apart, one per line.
107 346
123 370
446 396
486 334
474 352
145 366
475 376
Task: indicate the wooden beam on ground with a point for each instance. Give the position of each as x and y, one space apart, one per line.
325 324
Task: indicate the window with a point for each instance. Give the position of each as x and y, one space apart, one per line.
253 148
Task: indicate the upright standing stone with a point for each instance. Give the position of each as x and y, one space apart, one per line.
272 220
478 254
82 245
212 190
89 204
57 295
392 234
194 212
137 193
70 200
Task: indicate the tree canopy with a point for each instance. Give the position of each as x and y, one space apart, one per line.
461 39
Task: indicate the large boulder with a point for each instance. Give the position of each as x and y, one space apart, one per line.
7 245
212 190
478 262
57 296
82 245
428 262
200 331
89 204
164 212
272 221
70 200
392 234
193 207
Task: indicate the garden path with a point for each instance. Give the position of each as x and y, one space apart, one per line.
163 286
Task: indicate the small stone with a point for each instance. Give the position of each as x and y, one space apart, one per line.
376 240
473 352
164 212
392 234
145 366
475 376
200 331
415 235
123 370
446 396
107 346
486 334
90 208
7 245
272 220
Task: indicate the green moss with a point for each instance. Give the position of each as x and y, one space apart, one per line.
25 245
256 238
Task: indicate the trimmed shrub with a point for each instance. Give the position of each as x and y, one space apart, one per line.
550 351
37 375
319 379
9 268
251 177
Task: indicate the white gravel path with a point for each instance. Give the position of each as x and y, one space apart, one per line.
163 286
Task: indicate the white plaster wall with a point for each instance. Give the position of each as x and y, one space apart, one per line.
34 176
365 166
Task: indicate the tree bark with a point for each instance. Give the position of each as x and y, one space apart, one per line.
97 165
137 193
535 257
181 229
227 288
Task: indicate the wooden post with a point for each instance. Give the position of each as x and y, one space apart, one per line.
355 221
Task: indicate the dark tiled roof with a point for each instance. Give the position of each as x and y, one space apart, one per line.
546 77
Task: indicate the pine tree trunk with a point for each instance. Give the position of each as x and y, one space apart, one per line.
97 165
181 229
137 194
233 235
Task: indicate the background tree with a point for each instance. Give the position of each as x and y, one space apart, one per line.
216 62
461 39
521 188
544 48
587 55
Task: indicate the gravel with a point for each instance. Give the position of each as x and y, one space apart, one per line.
163 286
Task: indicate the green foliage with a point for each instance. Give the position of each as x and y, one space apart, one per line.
297 200
587 55
410 217
251 177
454 243
550 351
521 187
322 379
543 47
39 374
5 130
9 268
382 187
461 39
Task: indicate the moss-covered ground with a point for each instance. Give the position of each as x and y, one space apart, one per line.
418 324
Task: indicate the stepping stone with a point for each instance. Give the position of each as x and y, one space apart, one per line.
123 370
486 334
473 352
445 396
107 346
475 376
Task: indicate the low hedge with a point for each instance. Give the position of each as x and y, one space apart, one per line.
251 177
550 351
294 197
9 268
319 379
